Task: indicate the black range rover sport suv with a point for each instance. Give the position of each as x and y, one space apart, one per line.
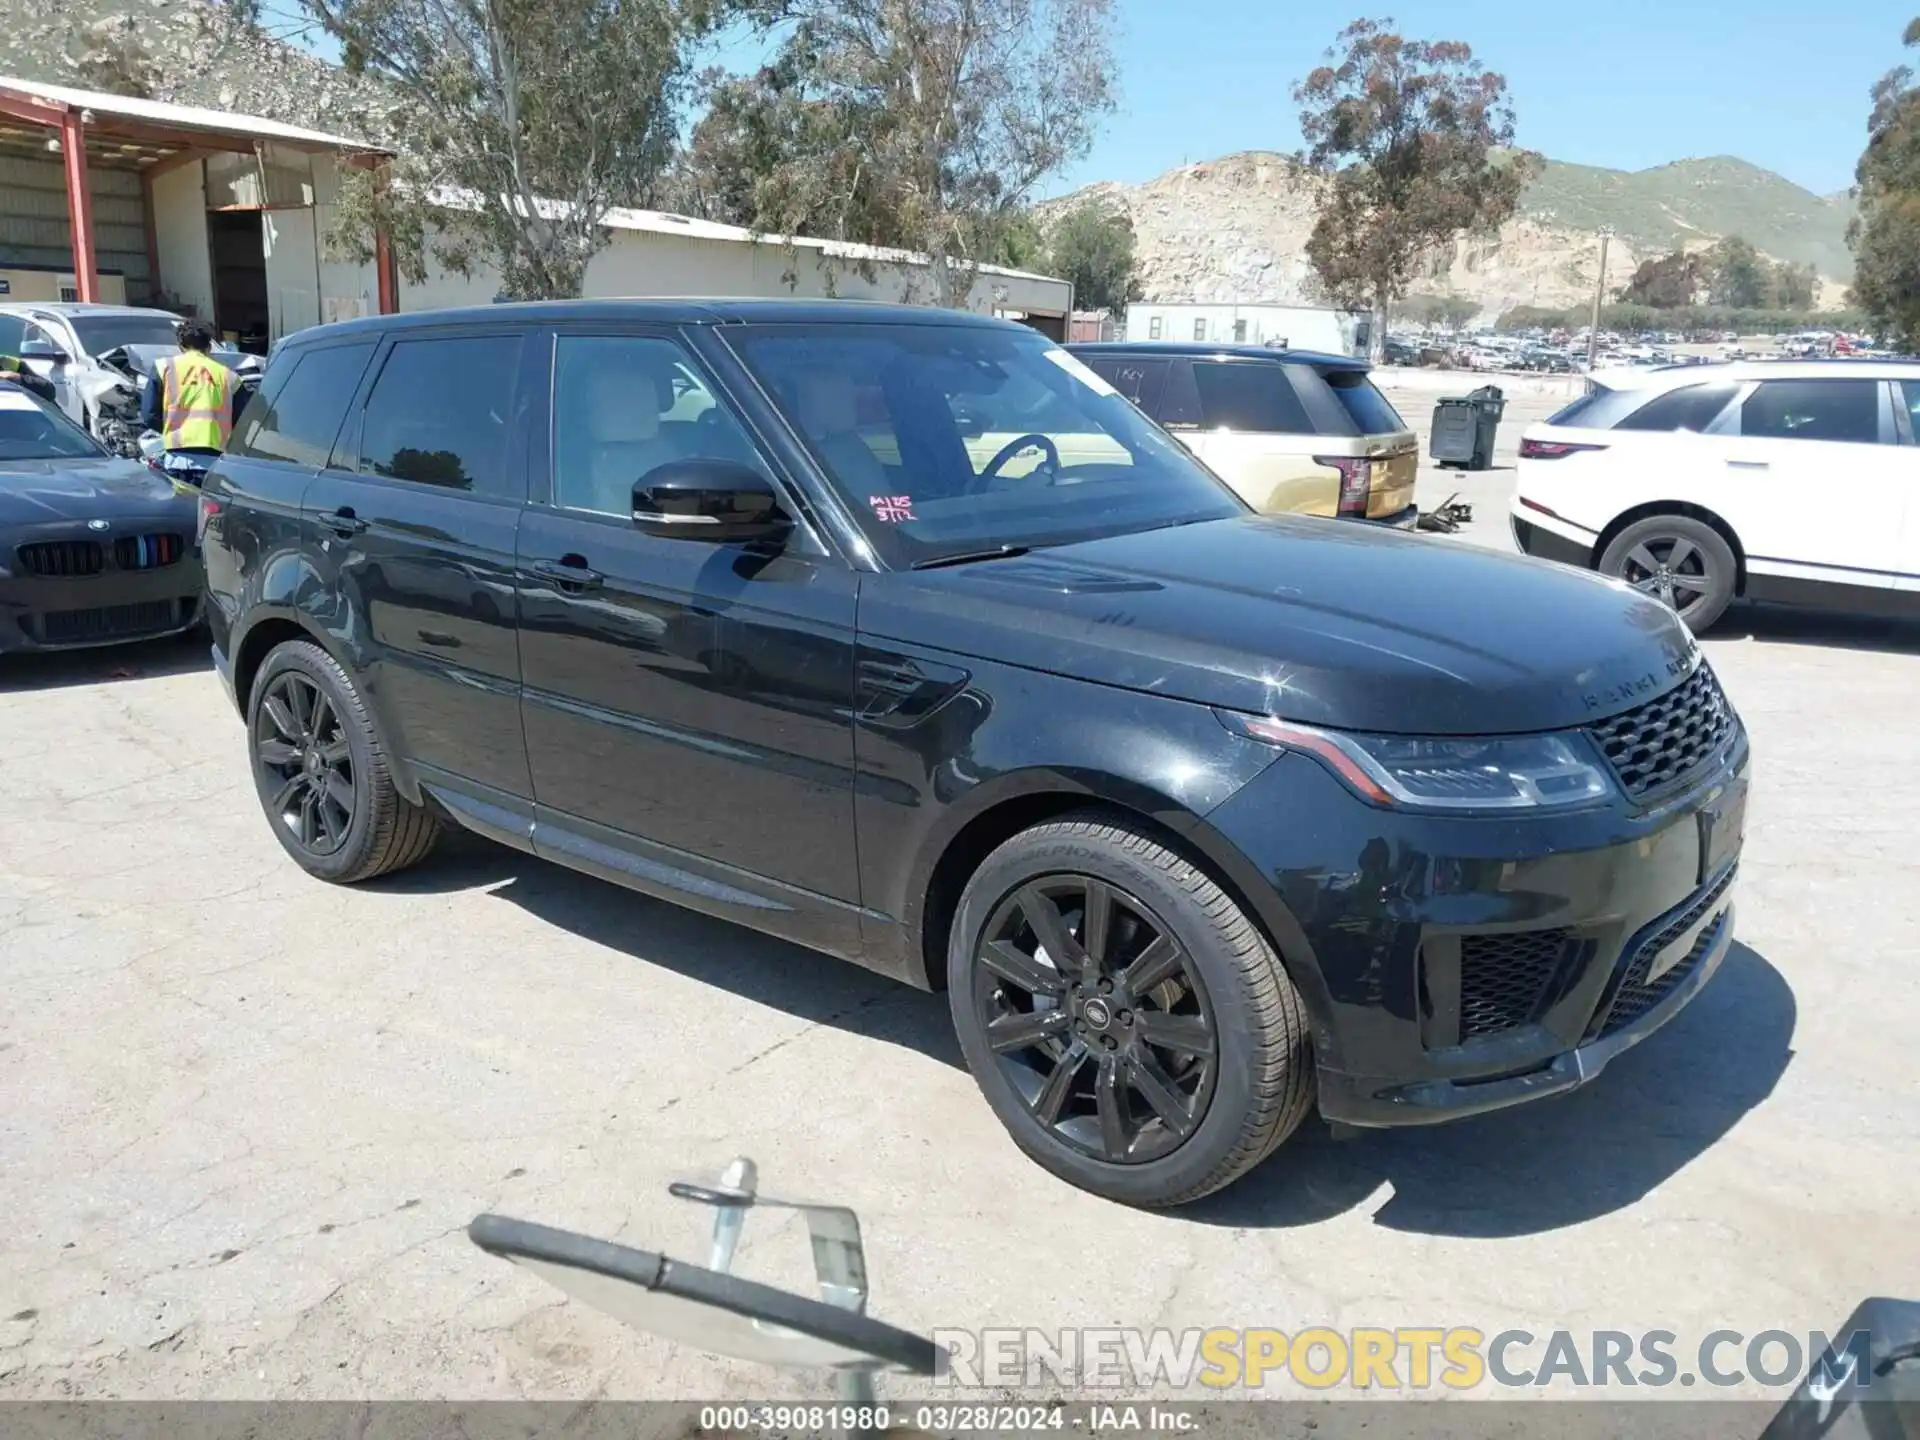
900 634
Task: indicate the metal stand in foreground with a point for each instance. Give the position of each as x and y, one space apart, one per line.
712 1309
839 1259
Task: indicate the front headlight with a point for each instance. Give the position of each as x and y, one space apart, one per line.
1501 772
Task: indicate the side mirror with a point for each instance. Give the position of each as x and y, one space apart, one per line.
713 500
44 350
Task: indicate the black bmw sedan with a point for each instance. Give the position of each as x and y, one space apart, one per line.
901 634
94 549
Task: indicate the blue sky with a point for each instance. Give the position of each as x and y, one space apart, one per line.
1622 83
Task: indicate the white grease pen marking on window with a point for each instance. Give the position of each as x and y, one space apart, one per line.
1071 364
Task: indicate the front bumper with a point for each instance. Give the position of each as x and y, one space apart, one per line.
112 606
1454 966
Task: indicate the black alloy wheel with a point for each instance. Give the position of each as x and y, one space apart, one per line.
323 774
301 744
1097 1018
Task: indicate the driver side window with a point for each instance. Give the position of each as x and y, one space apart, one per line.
623 405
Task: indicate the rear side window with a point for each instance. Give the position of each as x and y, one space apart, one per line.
1141 381
1252 397
1692 407
1843 410
295 419
1571 414
1372 413
439 414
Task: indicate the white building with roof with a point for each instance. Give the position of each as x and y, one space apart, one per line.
225 216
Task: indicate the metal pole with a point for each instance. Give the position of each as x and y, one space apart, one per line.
1599 292
73 142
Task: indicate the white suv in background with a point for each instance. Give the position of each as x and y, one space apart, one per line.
1792 482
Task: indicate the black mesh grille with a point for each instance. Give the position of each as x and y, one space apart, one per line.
1636 995
60 557
1657 745
147 552
1507 981
65 627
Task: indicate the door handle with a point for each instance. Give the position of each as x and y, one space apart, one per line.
570 573
1748 464
344 523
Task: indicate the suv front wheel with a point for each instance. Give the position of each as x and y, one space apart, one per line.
1130 1026
322 774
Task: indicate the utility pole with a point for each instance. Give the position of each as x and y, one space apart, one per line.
1599 291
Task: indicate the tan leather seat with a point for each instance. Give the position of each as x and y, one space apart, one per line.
826 403
613 436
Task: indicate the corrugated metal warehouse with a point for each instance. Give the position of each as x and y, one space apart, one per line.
225 216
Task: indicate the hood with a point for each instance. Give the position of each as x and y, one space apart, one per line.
33 492
1324 622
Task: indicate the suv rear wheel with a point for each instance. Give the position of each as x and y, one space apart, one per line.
1677 559
1130 1026
322 774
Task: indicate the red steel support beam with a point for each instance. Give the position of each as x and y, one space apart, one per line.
73 143
385 273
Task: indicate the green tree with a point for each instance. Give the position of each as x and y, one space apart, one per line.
1736 274
523 123
1665 284
919 124
1092 245
1449 311
1794 286
1885 234
1411 140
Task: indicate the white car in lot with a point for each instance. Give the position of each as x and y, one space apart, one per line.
1795 482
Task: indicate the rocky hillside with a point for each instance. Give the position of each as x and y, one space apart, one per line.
188 51
1236 229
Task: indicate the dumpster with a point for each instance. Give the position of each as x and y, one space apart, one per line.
1464 427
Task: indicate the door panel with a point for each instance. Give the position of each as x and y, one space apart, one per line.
1804 500
692 694
417 517
424 581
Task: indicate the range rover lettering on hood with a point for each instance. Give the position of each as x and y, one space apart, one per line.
1308 620
1610 698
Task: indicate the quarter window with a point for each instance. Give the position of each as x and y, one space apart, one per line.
1691 407
1842 410
296 417
623 405
441 412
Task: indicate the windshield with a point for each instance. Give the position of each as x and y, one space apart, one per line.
101 333
951 439
31 431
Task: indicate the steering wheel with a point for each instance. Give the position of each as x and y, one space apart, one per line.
1024 442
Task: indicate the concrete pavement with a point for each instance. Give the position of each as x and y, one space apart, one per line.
244 1116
